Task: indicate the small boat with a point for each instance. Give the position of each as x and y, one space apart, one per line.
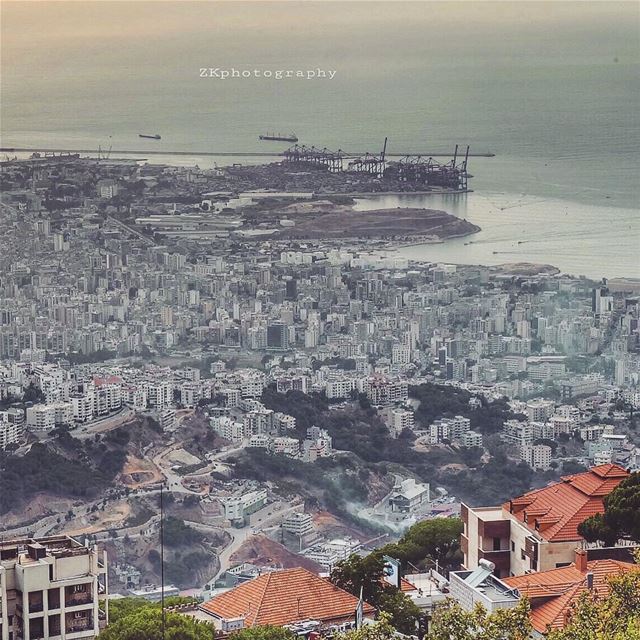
154 137
292 137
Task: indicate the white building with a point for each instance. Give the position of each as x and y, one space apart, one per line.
409 497
10 432
298 523
49 588
472 439
537 456
41 417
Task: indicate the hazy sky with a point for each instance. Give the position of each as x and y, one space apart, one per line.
89 68
56 39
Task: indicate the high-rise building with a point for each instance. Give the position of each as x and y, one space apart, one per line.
278 336
49 588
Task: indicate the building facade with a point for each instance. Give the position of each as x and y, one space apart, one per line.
50 589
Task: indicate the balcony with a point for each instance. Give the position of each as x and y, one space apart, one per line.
501 559
77 595
80 624
78 599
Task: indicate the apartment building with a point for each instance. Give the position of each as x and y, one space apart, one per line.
537 456
298 523
537 531
400 419
50 589
10 432
41 417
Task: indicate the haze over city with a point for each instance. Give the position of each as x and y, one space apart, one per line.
319 320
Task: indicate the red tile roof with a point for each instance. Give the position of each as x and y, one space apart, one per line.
405 585
100 381
552 593
556 511
284 597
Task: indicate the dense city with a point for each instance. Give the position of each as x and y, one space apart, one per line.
218 393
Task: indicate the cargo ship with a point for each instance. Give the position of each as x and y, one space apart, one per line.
292 137
154 137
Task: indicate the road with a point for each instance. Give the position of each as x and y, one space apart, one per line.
108 423
238 537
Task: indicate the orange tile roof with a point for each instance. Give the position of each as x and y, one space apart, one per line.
553 592
284 597
556 511
405 585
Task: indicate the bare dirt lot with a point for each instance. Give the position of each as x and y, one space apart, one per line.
137 473
112 517
338 221
263 552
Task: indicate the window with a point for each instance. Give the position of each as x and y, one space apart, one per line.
496 544
513 546
79 588
562 564
522 555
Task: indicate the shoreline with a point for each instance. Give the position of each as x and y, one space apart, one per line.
257 154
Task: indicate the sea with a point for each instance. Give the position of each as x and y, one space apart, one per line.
563 187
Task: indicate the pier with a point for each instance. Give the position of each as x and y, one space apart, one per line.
240 154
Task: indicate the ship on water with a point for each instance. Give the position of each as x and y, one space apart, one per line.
153 137
292 137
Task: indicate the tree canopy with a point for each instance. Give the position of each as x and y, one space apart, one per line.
450 621
621 517
428 542
365 575
145 623
123 607
264 632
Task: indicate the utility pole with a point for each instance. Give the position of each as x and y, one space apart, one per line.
162 558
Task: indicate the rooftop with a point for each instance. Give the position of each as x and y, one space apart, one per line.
284 597
553 593
556 511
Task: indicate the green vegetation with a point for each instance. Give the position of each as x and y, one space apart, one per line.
144 622
335 482
366 575
30 394
265 632
450 621
382 629
425 543
123 607
43 469
355 429
181 569
359 429
177 533
621 518
437 401
429 542
489 483
348 364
